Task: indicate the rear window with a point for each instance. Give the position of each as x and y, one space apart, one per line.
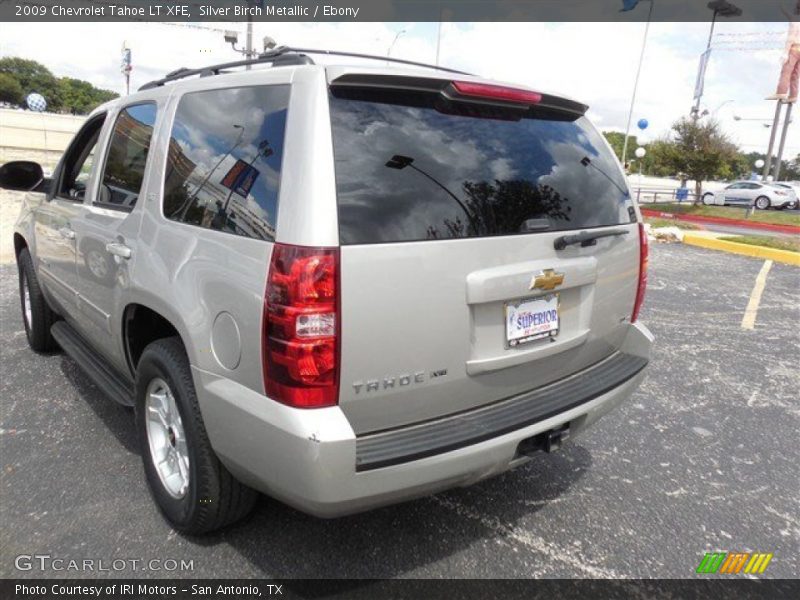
406 171
224 160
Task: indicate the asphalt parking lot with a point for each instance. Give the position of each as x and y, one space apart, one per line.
704 457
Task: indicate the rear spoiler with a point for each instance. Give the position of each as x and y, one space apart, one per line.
461 91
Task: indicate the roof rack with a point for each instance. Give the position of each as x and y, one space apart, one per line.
281 56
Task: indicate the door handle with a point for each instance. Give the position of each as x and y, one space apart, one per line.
66 232
118 249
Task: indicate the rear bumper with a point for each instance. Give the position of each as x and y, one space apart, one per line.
308 458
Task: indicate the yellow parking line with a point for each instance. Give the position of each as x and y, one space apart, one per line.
749 320
782 256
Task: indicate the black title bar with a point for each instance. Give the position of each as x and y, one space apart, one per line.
386 10
366 589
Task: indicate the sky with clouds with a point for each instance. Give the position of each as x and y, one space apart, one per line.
592 62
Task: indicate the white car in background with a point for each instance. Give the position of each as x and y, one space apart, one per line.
753 193
795 187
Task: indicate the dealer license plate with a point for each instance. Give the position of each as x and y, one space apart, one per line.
530 320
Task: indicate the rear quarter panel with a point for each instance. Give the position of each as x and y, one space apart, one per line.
192 275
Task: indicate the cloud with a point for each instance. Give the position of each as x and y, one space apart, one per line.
592 62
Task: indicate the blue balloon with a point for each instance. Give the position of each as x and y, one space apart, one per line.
643 124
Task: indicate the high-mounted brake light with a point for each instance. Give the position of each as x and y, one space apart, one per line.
496 92
300 349
642 286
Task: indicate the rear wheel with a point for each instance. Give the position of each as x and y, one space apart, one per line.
762 203
37 316
192 488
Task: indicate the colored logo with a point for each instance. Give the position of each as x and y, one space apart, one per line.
730 563
547 280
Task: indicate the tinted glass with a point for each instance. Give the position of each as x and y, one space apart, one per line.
409 172
79 159
127 156
224 161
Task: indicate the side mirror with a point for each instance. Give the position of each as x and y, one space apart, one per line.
21 175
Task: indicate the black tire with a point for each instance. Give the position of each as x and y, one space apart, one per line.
41 317
764 201
213 498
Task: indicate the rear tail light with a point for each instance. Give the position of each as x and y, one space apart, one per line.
642 286
496 92
301 326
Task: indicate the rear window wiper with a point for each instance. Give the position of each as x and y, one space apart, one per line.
586 238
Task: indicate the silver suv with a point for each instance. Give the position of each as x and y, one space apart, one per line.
342 286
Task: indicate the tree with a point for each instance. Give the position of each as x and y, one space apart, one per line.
701 150
81 97
617 142
792 170
654 162
62 94
10 89
33 77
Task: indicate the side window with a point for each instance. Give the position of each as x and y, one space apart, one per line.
78 161
127 156
224 160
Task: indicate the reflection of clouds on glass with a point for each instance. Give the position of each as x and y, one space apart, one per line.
567 177
467 175
234 140
502 168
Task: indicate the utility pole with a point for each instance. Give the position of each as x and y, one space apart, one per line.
249 47
438 39
701 75
126 67
721 8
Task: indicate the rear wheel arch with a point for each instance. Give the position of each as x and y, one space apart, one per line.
141 326
20 243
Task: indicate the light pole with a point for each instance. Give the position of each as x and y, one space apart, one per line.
232 38
182 211
400 162
394 41
630 5
766 122
714 112
721 8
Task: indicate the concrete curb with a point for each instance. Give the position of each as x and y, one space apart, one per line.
782 256
790 229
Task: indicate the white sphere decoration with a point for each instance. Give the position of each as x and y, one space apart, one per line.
759 164
640 152
36 102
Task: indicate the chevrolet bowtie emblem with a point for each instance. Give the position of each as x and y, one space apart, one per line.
547 280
